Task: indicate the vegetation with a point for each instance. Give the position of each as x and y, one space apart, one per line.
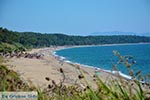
31 39
113 89
10 80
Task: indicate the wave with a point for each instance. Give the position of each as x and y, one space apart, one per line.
61 58
121 74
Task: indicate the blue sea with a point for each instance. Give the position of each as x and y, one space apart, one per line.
103 57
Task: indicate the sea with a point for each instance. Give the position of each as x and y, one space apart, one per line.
103 57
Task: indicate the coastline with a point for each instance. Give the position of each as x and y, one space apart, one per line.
36 70
82 46
125 76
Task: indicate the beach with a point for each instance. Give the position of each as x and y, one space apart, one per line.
35 71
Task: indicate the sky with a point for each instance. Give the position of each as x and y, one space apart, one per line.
75 16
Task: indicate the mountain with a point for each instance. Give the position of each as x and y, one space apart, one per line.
119 33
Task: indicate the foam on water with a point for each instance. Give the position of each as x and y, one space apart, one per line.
101 57
61 58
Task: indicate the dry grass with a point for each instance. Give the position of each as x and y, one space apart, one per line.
112 89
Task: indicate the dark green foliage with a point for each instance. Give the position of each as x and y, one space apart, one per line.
31 39
7 36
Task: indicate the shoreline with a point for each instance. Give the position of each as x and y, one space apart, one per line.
125 76
36 70
80 46
76 46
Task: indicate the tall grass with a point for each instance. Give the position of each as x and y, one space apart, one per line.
112 89
115 88
10 81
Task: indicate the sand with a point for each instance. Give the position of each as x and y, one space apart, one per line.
36 70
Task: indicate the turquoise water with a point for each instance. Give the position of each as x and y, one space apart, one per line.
103 57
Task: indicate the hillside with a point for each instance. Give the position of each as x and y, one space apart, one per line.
35 40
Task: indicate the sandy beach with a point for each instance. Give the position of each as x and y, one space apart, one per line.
36 70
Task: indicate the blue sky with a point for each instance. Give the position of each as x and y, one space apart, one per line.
75 16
